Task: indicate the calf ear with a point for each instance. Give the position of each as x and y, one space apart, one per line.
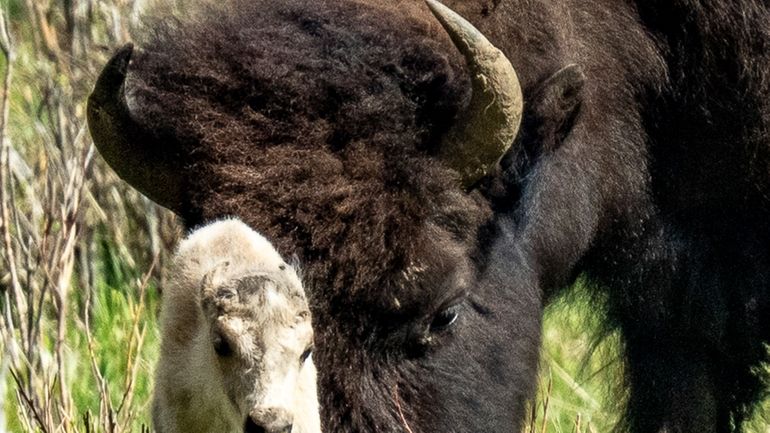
214 296
556 105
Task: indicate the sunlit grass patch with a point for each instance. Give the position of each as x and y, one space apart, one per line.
580 369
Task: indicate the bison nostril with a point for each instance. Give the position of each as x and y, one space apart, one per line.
252 427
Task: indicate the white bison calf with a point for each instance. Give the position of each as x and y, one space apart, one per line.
236 339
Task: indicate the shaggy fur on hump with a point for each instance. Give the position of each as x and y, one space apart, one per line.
315 122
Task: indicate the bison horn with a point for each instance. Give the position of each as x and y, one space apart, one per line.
133 153
485 131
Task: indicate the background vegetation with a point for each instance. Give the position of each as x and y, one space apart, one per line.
82 255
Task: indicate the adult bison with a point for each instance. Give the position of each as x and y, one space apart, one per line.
357 135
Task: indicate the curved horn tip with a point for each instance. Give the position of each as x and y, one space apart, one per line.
440 10
114 73
462 33
122 56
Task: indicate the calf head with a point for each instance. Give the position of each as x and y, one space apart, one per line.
260 331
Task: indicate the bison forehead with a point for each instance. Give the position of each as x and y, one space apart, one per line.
298 72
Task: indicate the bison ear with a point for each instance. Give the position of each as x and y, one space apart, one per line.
556 105
551 109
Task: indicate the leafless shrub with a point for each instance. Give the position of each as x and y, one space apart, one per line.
59 204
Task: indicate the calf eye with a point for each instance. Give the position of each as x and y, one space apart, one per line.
445 318
305 355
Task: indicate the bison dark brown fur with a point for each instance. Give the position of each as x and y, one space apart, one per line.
642 163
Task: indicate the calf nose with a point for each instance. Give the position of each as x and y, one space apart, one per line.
271 420
253 427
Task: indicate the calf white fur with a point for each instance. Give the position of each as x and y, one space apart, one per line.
236 339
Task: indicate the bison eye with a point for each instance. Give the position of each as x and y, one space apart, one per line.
221 346
445 318
305 355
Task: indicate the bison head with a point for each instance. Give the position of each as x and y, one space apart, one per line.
358 135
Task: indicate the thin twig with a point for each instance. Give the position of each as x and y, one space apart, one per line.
397 400
28 401
7 49
106 403
137 338
546 402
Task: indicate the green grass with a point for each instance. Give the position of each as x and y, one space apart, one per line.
120 342
578 372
